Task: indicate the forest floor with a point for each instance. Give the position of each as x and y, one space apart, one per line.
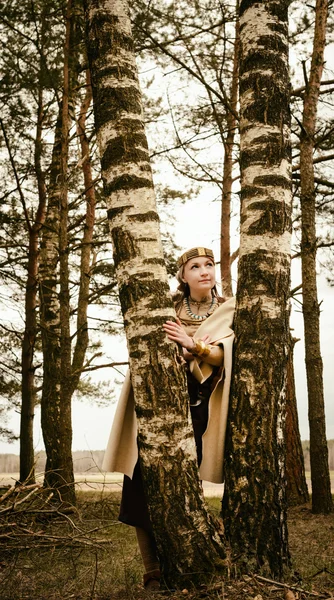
48 553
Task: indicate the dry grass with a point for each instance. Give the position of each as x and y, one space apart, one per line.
52 554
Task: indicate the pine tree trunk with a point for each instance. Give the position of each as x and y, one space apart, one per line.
55 313
65 440
188 540
321 487
27 455
58 460
87 240
296 487
231 125
254 503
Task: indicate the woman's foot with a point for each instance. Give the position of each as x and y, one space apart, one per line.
152 581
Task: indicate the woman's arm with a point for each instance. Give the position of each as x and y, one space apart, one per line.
213 355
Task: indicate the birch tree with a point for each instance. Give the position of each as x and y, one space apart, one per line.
188 540
254 504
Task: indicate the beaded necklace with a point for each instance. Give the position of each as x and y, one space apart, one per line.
192 315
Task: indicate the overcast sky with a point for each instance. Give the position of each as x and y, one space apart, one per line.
197 224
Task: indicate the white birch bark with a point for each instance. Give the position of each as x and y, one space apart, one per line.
254 500
187 539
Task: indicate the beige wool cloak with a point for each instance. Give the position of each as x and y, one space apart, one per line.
122 451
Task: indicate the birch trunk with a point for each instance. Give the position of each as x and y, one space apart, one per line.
189 543
254 503
321 488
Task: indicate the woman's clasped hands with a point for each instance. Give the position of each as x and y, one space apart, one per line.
176 333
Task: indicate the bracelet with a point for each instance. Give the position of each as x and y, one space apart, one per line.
200 349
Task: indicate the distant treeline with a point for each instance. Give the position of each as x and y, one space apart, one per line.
83 462
91 462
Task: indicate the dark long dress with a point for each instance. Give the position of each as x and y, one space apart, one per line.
133 509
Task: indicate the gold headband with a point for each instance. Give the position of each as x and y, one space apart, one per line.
193 253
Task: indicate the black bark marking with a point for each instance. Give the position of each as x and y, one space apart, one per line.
150 215
112 103
127 182
118 71
270 43
273 180
271 95
274 218
268 154
265 110
125 149
276 9
264 277
139 287
154 261
105 38
115 212
125 247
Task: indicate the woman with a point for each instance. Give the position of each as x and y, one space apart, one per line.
203 330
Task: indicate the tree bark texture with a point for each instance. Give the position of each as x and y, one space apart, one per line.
231 125
27 454
28 393
188 540
56 339
53 416
254 503
82 336
321 487
296 487
68 492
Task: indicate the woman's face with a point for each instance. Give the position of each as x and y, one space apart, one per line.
199 273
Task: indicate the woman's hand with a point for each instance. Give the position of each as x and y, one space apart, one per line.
176 333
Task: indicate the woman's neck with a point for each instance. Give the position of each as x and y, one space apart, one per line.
199 298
